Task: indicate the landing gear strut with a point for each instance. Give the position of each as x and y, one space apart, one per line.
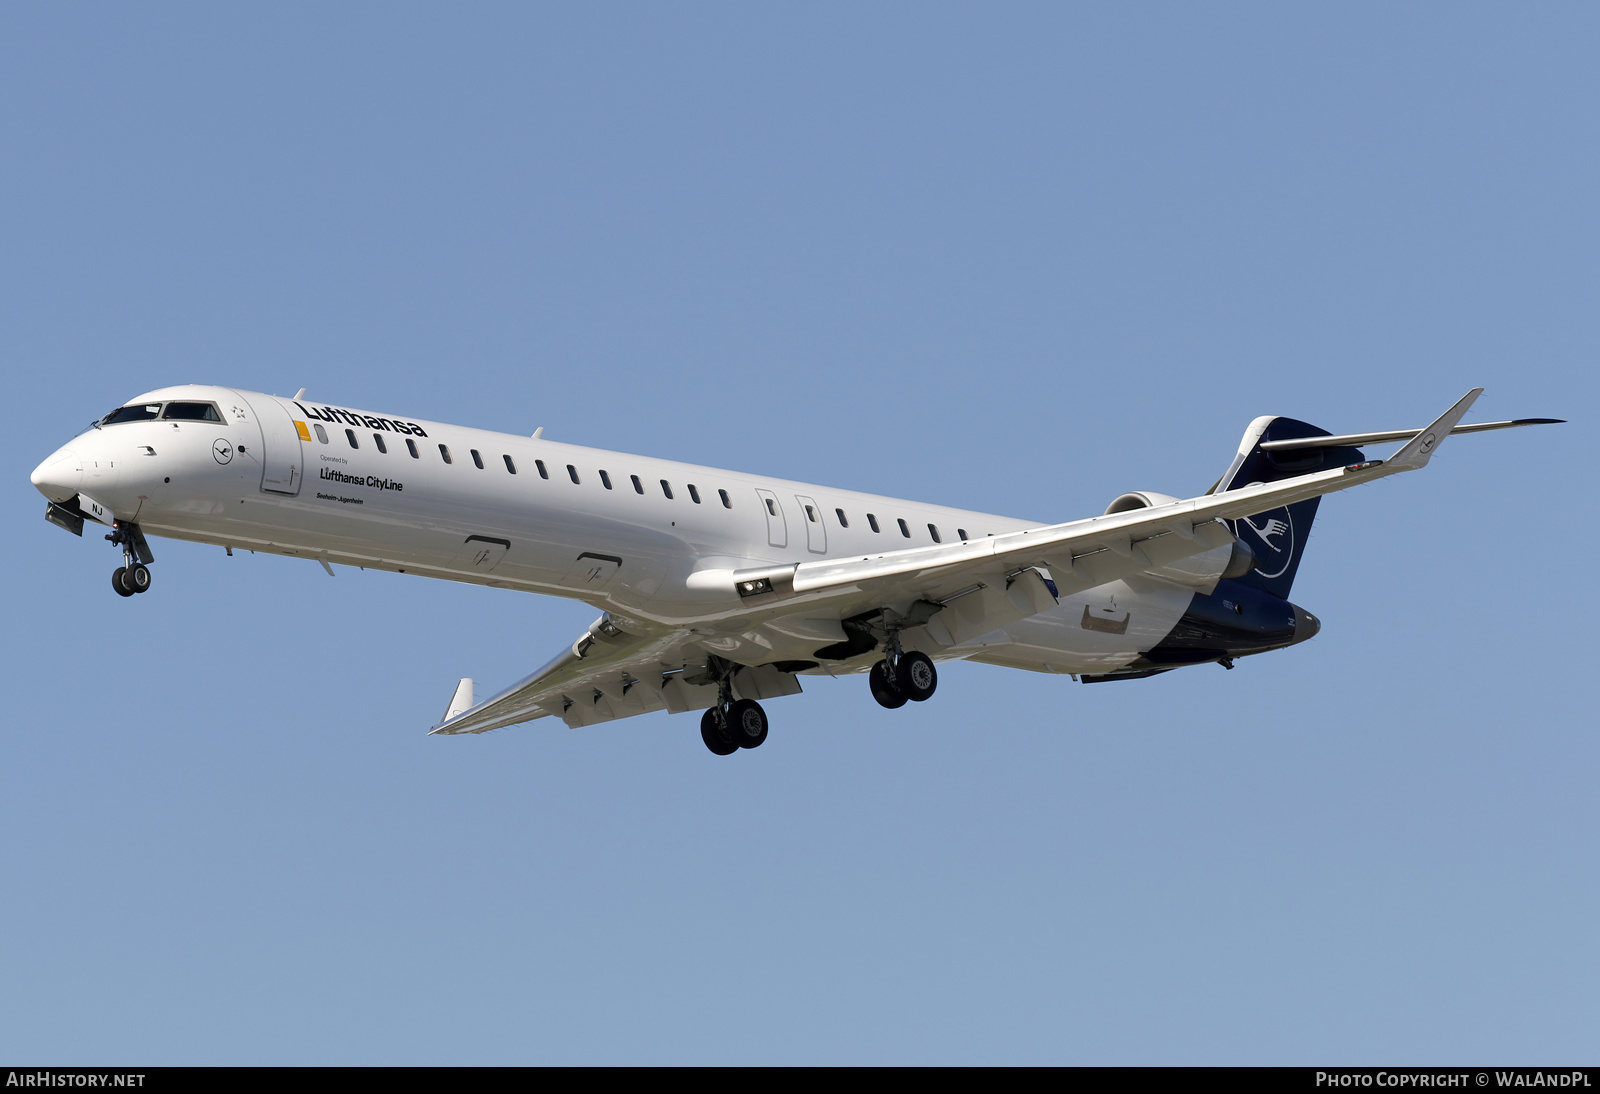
733 723
133 576
714 732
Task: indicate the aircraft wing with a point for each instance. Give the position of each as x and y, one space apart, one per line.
576 686
1079 554
609 674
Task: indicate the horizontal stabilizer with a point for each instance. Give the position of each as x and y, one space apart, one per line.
1356 440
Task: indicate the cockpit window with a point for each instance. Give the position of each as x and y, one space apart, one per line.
139 412
192 412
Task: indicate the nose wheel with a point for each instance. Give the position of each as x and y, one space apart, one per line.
133 576
127 580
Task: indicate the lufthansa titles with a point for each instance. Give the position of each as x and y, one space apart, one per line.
335 414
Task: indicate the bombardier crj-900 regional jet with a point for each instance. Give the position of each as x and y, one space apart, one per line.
720 589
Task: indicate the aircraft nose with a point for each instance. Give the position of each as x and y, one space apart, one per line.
1306 625
59 476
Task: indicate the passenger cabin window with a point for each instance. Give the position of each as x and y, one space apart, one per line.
666 488
726 503
377 439
191 412
543 474
143 412
477 459
694 495
934 532
510 467
844 521
904 531
811 514
605 480
411 446
772 506
350 435
572 473
444 450
638 487
872 522
322 434
962 532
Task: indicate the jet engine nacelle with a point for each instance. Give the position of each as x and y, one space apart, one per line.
1226 557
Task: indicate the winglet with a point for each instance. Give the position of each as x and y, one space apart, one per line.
460 702
1420 448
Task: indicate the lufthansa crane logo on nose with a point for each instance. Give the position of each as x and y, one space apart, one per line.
222 450
1272 539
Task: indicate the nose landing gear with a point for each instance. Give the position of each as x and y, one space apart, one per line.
133 576
127 580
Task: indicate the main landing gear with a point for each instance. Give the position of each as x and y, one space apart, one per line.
133 576
902 677
733 723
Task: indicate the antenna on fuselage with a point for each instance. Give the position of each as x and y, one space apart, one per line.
301 394
537 433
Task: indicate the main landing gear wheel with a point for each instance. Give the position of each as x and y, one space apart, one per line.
116 581
748 723
882 690
715 733
916 676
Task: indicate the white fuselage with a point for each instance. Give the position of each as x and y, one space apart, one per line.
621 532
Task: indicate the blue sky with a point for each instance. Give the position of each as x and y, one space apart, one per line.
1017 258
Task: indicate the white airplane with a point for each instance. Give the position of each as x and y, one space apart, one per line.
719 589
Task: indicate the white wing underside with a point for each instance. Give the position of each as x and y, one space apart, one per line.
984 584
